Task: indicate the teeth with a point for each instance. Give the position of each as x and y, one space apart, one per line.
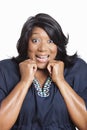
42 58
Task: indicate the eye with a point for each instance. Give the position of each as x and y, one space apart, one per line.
50 41
35 40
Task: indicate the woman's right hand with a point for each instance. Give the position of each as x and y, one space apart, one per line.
13 102
28 69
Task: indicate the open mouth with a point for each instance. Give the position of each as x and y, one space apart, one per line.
42 58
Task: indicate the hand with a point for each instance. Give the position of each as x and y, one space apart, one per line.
56 70
27 70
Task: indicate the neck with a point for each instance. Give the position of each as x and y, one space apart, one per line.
41 75
42 72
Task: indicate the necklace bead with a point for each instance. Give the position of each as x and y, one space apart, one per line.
44 91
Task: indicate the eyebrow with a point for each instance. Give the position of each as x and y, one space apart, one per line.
35 33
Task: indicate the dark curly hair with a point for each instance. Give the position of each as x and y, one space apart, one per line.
54 31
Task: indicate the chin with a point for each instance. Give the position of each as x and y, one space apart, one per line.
42 66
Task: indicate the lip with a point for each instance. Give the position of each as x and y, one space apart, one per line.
42 58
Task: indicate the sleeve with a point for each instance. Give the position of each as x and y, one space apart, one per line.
3 88
80 81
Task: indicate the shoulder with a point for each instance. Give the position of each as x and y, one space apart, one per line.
79 65
8 64
9 74
80 62
76 75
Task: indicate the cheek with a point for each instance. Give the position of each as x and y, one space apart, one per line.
30 51
54 51
31 48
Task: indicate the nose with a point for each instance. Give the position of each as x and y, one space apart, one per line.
42 47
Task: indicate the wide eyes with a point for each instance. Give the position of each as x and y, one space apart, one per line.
50 41
37 40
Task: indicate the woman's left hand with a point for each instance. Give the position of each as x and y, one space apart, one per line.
56 70
75 104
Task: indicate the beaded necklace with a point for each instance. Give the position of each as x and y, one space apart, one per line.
44 91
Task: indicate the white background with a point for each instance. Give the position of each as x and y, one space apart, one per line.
71 15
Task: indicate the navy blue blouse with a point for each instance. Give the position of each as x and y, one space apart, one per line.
43 113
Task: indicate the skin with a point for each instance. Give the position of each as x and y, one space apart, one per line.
41 63
42 50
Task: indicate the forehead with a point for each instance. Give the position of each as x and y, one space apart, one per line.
39 31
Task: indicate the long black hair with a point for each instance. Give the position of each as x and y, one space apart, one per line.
54 31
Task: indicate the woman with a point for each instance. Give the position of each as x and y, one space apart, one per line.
43 88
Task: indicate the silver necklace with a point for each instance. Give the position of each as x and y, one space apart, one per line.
44 91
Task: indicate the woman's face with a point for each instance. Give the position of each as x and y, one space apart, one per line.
41 48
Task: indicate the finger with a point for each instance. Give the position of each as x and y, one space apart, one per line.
35 67
50 68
